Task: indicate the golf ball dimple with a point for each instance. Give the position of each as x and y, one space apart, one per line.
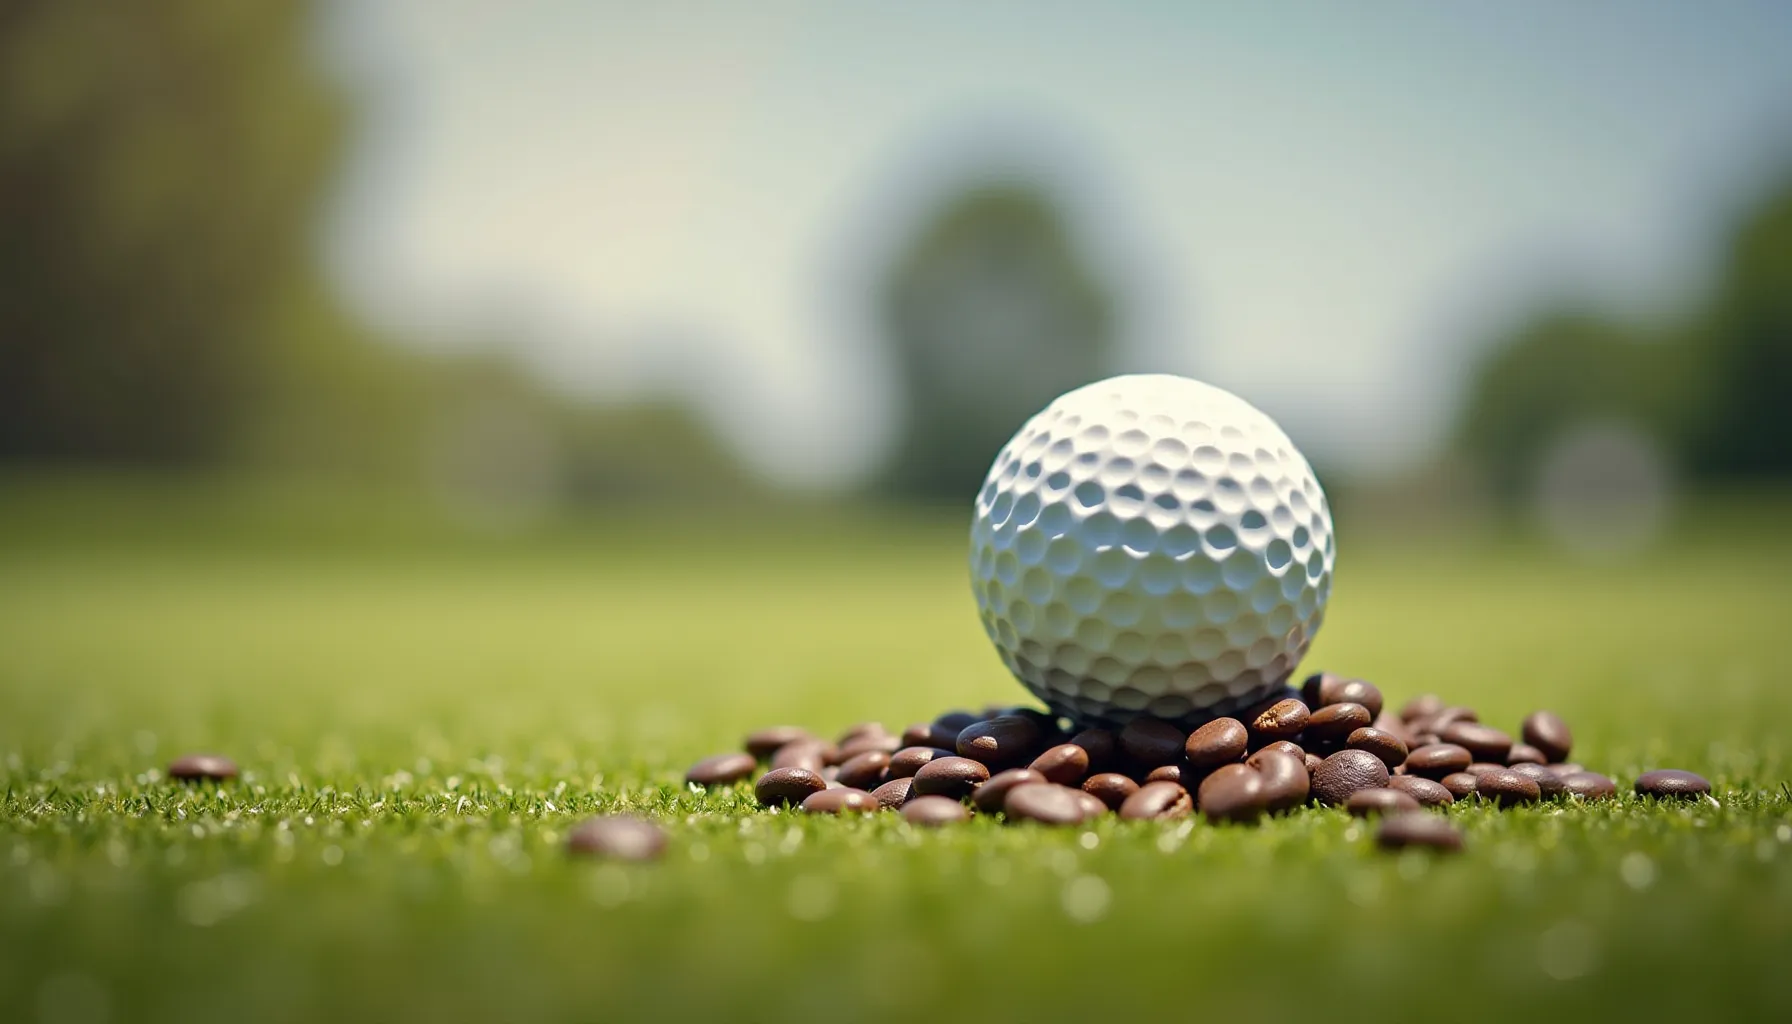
1151 545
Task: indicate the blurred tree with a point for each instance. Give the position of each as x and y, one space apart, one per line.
990 314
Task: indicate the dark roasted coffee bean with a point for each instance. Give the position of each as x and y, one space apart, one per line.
1426 831
1278 747
1365 802
844 800
956 777
1507 788
1549 785
906 762
202 768
1481 767
1588 786
1566 769
1312 762
1092 806
1483 741
1352 691
1285 780
721 770
1100 743
832 774
934 811
1393 726
1426 792
1221 741
991 796
765 742
921 735
1346 772
1334 722
881 743
894 793
1436 760
1546 731
1280 721
1672 783
617 836
1312 690
1047 804
1384 745
1066 764
811 754
1423 739
862 729
957 721
1151 742
1111 788
1423 706
1460 784
1524 753
1454 713
1176 773
1234 792
1158 800
788 786
866 771
1006 741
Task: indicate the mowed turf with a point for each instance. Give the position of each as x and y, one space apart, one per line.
420 722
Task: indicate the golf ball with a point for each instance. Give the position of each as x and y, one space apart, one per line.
1150 545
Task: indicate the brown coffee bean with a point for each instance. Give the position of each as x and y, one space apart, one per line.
1436 760
1234 792
879 743
921 735
765 742
906 762
1334 722
1065 764
1282 720
1151 742
1312 762
1346 772
1479 768
1092 806
1384 745
721 770
1524 753
1353 691
1111 788
1393 726
1423 739
1169 773
1672 783
1454 713
810 754
865 771
956 777
1566 769
1546 731
1588 786
1549 785
844 800
1313 689
619 837
1507 788
1006 741
1285 779
1426 792
782 786
853 732
1365 802
957 720
1278 747
1460 784
992 795
1424 705
1426 831
1483 741
894 793
1221 741
1100 744
934 811
202 768
1047 804
1158 800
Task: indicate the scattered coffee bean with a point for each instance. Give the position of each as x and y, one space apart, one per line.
1006 741
1047 804
1158 800
1507 788
992 795
1393 726
1566 769
1524 753
1384 745
1425 791
1425 705
1427 831
906 762
1346 772
1221 741
1482 767
1365 802
844 800
202 768
721 770
1460 784
956 777
921 735
1333 722
1285 779
1171 773
1313 690
1454 713
1111 788
1588 786
1151 742
1436 760
1351 691
832 774
1423 739
1092 806
1312 762
865 771
1282 720
1672 783
957 721
880 743
1549 784
1282 747
894 793
1483 741
1234 792
810 754
853 732
617 836
1546 731
1066 764
765 742
1100 743
934 811
782 786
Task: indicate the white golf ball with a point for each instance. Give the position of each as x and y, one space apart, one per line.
1151 545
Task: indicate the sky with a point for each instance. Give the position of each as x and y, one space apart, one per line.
1325 208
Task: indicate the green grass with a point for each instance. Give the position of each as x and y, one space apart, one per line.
421 720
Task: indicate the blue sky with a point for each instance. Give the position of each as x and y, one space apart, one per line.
1323 207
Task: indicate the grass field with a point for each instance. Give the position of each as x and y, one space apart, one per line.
421 719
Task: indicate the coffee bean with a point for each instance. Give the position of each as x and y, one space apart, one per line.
1312 762
1233 792
1425 791
1171 773
1454 713
1588 786
1282 720
1353 691
1221 741
906 762
1006 741
1524 753
1479 768
956 777
1393 726
765 742
1483 741
934 811
1158 800
1436 760
1047 804
1278 747
1549 785
1365 802
1336 721
957 721
1427 831
1423 739
1312 690
787 786
1460 784
1507 787
1672 783
1346 772
1151 742
1566 769
1384 745
202 768
853 732
1111 788
1100 744
721 770
844 800
921 735
879 743
1424 705
620 837
1066 764
894 793
1285 780
1546 731
865 771
810 754
992 795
